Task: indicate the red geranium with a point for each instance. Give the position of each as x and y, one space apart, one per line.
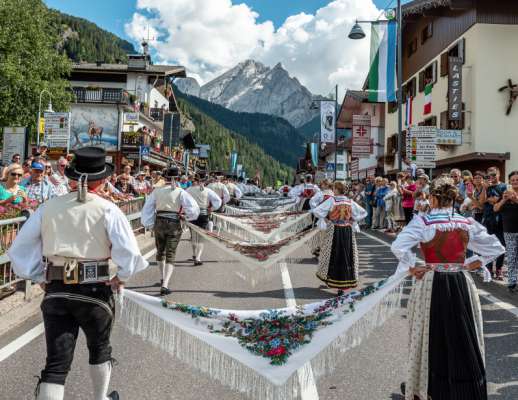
278 351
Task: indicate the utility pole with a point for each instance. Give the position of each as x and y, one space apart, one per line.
336 122
400 86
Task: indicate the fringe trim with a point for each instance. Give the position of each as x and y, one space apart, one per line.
223 368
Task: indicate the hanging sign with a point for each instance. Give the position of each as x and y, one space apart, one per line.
449 137
327 121
455 89
57 129
355 166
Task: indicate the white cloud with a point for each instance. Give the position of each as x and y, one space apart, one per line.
210 36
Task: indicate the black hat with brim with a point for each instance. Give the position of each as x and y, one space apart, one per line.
89 161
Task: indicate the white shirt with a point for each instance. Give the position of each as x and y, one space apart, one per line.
219 187
61 186
214 199
189 207
487 246
323 210
296 191
318 198
26 251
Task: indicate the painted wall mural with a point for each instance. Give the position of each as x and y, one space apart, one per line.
94 125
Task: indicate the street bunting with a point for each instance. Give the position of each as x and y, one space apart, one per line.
421 146
57 129
361 145
327 121
449 137
455 88
13 143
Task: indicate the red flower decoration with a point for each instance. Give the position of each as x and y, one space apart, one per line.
278 351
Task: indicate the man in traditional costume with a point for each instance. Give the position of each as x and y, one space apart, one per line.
338 260
65 246
207 200
221 190
163 211
446 346
304 192
233 190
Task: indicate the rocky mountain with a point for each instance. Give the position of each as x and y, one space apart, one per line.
188 86
255 88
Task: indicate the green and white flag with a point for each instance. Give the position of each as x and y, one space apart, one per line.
382 72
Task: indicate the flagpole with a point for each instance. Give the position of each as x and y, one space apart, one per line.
400 86
336 122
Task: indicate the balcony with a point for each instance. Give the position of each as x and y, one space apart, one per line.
101 95
156 114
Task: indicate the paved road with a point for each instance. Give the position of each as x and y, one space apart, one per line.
372 371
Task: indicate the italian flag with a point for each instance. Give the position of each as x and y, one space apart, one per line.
382 72
428 99
408 115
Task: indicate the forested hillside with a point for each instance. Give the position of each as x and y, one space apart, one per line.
276 136
223 141
83 40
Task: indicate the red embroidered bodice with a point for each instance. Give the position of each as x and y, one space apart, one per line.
447 247
341 213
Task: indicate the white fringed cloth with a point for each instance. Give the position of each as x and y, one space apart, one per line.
226 346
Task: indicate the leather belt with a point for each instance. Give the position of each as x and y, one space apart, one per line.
204 211
454 267
172 215
78 272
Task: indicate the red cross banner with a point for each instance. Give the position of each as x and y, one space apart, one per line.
361 146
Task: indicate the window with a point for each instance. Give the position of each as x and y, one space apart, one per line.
427 32
432 121
409 89
458 50
445 123
392 107
339 167
411 47
428 75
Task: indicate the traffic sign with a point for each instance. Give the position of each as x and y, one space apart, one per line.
144 150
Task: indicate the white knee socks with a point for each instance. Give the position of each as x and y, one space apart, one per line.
168 272
50 391
161 265
199 252
210 226
100 375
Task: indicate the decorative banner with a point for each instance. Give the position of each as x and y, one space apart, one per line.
233 161
355 166
313 147
455 88
57 129
327 121
421 146
13 143
382 72
449 137
361 146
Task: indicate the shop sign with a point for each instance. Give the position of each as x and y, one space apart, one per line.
57 129
455 88
13 143
421 146
361 136
131 118
449 137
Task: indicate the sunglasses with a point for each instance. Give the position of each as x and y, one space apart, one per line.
492 175
16 175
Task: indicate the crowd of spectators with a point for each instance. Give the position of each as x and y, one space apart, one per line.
482 196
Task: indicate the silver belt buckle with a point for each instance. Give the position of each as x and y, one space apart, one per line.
90 272
71 272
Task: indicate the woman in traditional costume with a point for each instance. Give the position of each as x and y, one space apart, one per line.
446 346
338 260
303 193
325 193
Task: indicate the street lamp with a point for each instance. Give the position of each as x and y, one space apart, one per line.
358 33
49 109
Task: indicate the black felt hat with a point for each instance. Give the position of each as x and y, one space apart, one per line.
172 172
90 161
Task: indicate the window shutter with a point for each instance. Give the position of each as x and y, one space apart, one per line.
421 81
422 123
433 121
444 120
462 50
414 87
444 63
434 72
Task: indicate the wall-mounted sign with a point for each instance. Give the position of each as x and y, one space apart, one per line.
355 166
131 118
449 137
455 88
421 147
361 147
13 143
327 121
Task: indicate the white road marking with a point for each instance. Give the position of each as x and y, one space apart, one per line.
29 336
17 344
481 292
308 387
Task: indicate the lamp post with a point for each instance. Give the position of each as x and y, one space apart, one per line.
315 107
49 109
357 33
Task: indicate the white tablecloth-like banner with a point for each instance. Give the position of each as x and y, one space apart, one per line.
258 352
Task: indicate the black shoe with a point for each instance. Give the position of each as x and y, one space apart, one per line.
197 263
114 395
512 288
403 388
165 291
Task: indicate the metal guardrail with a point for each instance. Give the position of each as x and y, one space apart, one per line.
10 227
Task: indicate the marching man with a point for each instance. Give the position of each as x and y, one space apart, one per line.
163 210
233 190
207 200
304 192
65 246
221 190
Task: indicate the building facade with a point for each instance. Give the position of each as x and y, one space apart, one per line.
481 34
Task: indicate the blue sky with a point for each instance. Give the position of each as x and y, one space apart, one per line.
113 14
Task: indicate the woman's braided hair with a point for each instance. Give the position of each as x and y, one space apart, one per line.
444 190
